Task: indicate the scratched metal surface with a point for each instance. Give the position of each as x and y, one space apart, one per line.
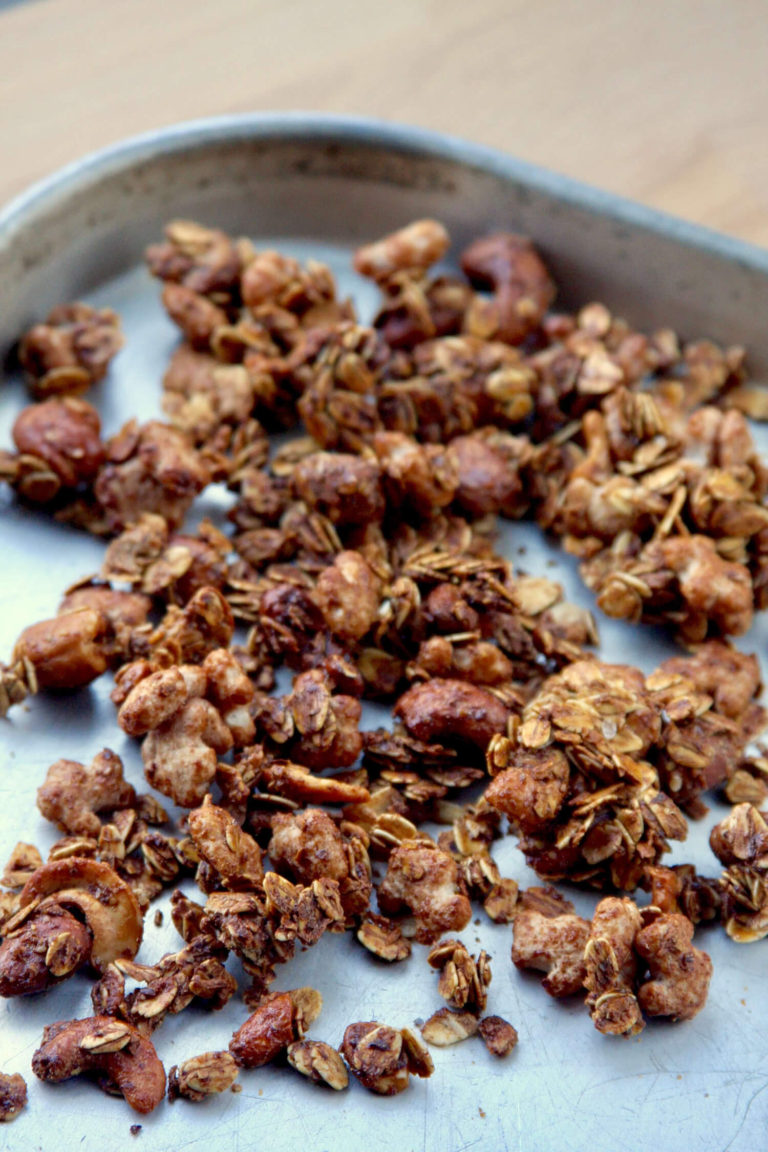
698 1085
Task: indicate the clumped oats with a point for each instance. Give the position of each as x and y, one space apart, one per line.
383 1058
464 978
319 1063
202 1076
71 350
740 842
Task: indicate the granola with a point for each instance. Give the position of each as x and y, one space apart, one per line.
361 559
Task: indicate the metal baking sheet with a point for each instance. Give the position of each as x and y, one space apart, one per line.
317 187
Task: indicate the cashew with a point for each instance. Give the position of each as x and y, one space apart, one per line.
548 936
152 701
679 973
425 880
510 266
72 794
127 1060
107 904
180 756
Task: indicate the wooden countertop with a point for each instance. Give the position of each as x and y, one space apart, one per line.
665 103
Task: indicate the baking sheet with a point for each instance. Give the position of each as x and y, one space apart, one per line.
698 1085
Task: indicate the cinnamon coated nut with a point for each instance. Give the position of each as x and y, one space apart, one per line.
125 1059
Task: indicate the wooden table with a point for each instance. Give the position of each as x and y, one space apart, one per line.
663 102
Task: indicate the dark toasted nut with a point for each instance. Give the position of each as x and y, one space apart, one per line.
611 967
65 436
679 973
343 487
319 1062
499 1035
418 479
443 709
13 1096
196 315
266 1032
202 1076
46 947
73 794
487 483
445 1027
381 1058
205 259
68 651
510 266
127 1060
109 906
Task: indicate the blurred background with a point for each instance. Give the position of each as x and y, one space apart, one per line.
662 101
665 102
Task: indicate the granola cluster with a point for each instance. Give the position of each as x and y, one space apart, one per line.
360 558
597 768
633 963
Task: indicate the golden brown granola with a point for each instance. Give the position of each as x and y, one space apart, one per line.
361 557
